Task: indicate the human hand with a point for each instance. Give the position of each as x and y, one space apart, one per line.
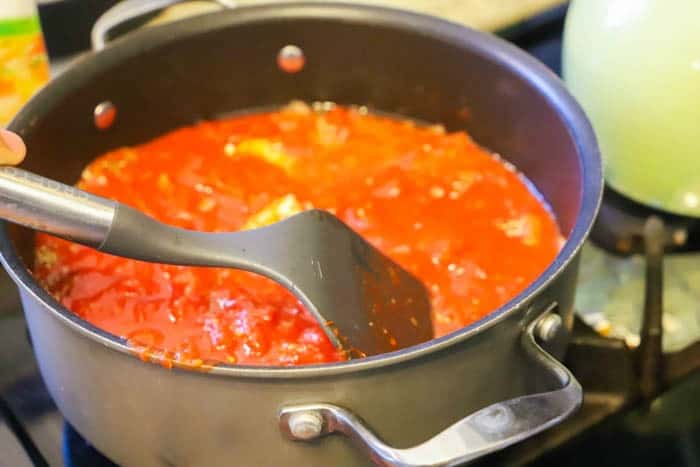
12 148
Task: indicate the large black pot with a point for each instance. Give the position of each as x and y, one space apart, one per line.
140 414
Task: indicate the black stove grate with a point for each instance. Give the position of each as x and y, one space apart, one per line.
23 437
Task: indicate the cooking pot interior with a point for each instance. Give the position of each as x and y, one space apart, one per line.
208 66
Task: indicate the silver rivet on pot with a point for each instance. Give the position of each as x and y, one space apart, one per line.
104 114
290 59
549 327
305 425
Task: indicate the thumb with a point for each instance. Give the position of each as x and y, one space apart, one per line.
12 148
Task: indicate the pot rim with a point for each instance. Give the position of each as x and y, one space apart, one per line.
496 49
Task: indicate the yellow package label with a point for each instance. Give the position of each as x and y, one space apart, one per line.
24 66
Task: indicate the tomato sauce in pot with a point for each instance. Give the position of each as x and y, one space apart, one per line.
457 216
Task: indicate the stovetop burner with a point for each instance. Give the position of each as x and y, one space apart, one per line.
79 453
620 225
641 394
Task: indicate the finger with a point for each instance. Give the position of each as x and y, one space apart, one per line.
12 148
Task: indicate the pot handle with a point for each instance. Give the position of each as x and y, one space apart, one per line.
128 10
485 431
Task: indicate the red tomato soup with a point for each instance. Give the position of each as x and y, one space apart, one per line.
464 221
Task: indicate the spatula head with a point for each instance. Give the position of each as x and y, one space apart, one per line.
364 301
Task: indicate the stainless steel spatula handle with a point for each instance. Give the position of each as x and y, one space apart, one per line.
112 227
115 228
47 205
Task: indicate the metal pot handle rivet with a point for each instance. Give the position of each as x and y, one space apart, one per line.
104 115
290 59
128 10
548 327
485 431
305 425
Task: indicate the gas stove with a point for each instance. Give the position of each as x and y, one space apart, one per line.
637 281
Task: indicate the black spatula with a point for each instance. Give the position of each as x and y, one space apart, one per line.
363 300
